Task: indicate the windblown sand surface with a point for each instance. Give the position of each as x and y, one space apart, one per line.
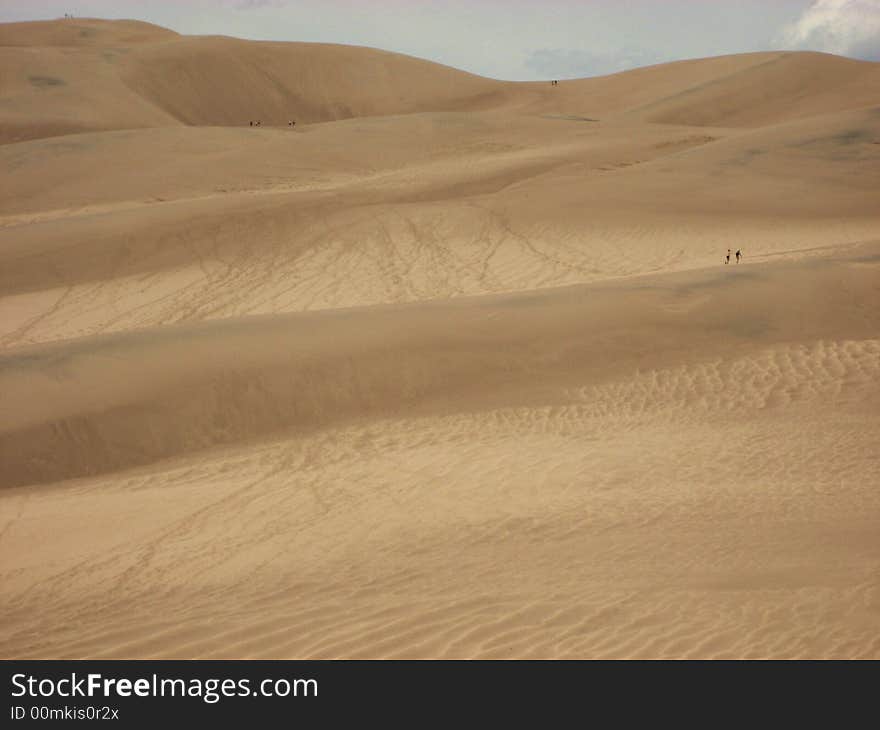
452 368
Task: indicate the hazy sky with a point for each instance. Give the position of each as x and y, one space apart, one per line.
513 39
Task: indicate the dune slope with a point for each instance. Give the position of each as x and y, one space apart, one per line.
81 75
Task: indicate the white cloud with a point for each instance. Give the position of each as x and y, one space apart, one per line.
846 27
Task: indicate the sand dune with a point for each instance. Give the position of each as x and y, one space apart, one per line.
145 395
774 88
149 77
453 368
254 224
94 75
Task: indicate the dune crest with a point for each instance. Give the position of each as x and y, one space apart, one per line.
151 77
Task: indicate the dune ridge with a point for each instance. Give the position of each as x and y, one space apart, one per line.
149 76
155 393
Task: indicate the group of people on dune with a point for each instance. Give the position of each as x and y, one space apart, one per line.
258 123
738 256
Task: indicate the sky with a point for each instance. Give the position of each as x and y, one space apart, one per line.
513 39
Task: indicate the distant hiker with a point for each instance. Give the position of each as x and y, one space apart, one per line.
727 258
738 255
252 122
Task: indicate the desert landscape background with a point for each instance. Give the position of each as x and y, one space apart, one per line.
451 368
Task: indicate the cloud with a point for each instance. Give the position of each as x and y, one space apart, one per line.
578 63
845 27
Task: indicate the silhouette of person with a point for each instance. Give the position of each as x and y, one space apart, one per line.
738 255
727 258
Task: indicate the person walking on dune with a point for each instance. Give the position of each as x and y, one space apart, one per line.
738 255
727 258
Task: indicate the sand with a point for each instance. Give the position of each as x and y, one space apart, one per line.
452 368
